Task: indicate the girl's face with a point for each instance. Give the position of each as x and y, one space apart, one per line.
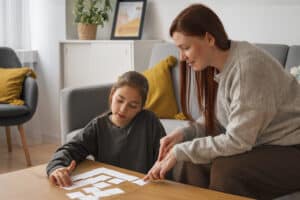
126 103
196 51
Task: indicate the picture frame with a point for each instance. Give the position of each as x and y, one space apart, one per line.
128 20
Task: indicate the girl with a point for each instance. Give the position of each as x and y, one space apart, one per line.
127 136
249 140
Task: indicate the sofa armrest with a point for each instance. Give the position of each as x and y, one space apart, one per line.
80 105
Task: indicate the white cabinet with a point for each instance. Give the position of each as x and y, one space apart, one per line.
101 61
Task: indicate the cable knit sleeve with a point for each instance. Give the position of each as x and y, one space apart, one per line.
252 106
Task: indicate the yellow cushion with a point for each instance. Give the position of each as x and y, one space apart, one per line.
161 99
11 82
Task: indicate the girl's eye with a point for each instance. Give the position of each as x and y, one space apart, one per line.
133 106
120 101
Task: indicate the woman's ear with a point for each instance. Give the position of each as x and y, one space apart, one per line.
210 39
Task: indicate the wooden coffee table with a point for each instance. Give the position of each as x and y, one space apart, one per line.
32 183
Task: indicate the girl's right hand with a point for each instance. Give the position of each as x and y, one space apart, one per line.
167 142
61 176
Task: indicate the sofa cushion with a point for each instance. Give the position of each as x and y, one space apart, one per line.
11 83
161 99
159 52
7 110
293 57
172 124
278 51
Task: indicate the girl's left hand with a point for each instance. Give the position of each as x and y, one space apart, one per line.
160 168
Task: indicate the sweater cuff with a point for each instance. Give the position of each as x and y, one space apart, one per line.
179 153
188 133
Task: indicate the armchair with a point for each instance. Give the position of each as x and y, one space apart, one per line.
12 115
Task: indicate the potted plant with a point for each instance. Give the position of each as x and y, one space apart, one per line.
88 15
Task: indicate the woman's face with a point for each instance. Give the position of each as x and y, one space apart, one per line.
126 103
196 51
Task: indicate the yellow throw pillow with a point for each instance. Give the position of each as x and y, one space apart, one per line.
161 99
11 82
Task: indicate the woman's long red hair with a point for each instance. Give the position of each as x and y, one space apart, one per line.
197 20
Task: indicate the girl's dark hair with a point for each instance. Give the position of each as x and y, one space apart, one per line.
197 20
132 79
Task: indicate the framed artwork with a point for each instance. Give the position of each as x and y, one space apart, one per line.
128 19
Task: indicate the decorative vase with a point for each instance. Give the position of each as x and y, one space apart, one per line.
86 31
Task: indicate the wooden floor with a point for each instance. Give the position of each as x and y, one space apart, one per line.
15 160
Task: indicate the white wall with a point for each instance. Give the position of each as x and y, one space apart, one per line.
268 21
48 28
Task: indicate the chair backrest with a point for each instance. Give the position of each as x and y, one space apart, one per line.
8 58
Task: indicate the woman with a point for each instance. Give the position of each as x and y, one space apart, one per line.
127 136
248 142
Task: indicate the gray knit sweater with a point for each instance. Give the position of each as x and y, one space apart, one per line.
133 147
258 102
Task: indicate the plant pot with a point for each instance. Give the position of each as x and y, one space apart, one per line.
86 31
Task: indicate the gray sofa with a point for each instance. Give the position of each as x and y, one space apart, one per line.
80 105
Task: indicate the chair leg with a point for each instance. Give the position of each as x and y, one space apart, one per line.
8 138
25 147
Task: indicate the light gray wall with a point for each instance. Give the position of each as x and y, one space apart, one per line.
270 21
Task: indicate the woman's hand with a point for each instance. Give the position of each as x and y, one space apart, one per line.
167 143
61 176
160 168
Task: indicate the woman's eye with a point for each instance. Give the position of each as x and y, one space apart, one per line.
120 101
185 48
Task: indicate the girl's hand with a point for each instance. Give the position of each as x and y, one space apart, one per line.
167 143
160 168
61 176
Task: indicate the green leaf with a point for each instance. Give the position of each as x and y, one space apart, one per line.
91 11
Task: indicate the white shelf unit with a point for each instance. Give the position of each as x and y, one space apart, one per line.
91 62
